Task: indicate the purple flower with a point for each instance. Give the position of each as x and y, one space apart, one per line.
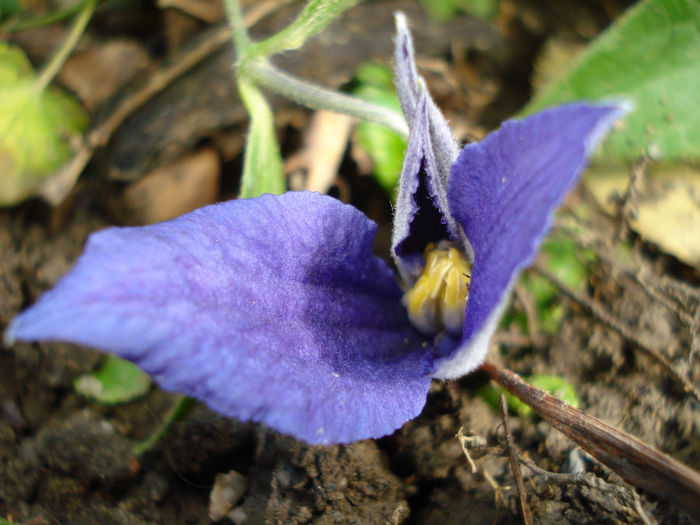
274 309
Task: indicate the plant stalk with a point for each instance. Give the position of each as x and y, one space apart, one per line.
51 69
241 39
316 97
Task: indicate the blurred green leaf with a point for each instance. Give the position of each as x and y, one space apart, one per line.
316 15
115 381
262 165
554 385
568 262
376 75
557 386
650 56
485 9
9 8
384 147
37 128
14 65
546 301
445 10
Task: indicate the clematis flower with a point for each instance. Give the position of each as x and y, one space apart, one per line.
274 309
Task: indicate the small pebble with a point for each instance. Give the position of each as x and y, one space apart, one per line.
228 490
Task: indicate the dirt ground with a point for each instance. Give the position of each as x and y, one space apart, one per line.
65 459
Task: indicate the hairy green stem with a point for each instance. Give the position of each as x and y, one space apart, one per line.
241 40
259 71
317 97
315 16
51 69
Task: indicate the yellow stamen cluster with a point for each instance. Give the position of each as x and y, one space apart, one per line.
438 299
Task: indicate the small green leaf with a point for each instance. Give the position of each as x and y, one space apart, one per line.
567 261
557 386
445 10
385 147
649 56
37 128
554 385
316 15
14 65
440 10
546 301
116 381
376 75
262 164
485 9
564 259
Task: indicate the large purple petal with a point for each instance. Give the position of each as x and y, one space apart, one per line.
270 309
502 192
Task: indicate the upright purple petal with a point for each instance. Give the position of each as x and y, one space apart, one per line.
409 83
502 192
418 218
270 309
422 212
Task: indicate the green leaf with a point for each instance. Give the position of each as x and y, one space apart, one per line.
445 10
376 75
262 163
440 10
567 261
385 147
554 385
37 128
650 56
316 15
485 9
557 386
116 381
564 259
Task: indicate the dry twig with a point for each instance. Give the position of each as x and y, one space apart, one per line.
525 513
633 460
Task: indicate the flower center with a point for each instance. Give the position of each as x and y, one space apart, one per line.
438 299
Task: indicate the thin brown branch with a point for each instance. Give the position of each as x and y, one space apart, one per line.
633 460
558 477
525 513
